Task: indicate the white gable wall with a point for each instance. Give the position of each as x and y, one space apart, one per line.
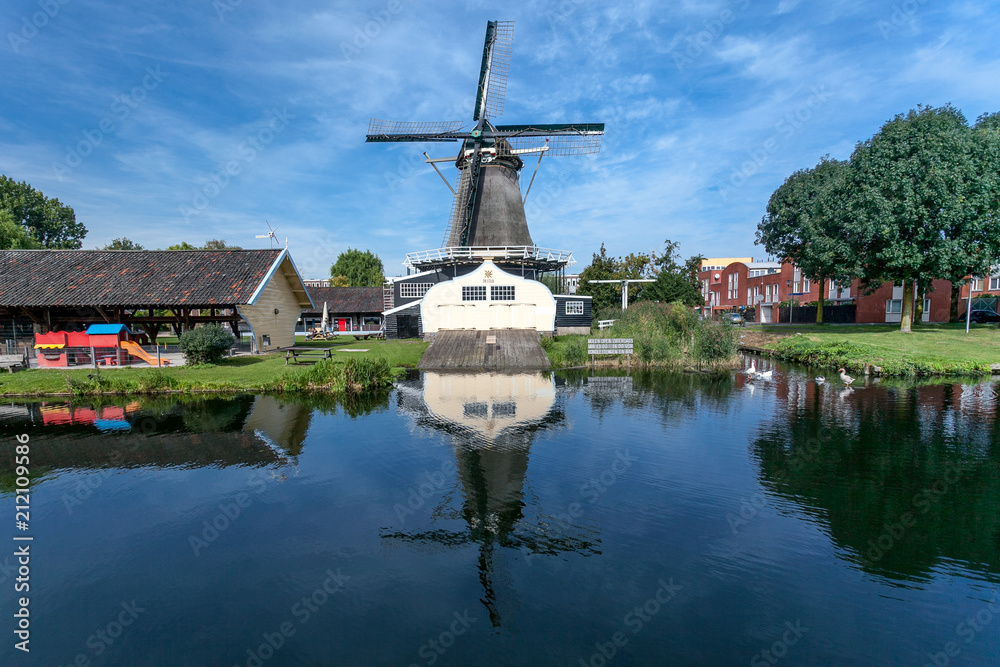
533 306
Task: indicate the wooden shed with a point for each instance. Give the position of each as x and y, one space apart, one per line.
259 290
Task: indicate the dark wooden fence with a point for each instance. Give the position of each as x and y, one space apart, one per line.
845 314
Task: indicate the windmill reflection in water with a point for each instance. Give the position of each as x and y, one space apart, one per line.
491 420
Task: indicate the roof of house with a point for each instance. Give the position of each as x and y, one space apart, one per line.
189 278
346 299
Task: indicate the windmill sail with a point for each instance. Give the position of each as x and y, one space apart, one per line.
493 73
488 209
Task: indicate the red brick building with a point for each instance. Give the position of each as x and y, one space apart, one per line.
985 294
765 285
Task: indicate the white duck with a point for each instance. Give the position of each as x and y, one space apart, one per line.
845 378
750 372
820 379
765 375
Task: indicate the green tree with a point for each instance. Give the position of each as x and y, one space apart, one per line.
219 244
211 244
340 281
362 268
48 221
602 267
920 205
123 244
13 236
675 282
804 224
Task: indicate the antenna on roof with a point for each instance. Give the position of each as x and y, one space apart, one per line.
269 235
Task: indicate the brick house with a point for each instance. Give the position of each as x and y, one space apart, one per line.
764 285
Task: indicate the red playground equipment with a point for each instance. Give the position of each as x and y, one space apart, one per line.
105 344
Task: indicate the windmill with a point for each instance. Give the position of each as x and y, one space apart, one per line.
269 235
488 209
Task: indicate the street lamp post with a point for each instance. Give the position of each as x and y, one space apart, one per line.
968 310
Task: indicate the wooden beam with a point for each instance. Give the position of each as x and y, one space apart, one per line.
30 315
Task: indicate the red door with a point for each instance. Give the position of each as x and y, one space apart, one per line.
341 324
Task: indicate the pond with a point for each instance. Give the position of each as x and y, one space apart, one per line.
544 518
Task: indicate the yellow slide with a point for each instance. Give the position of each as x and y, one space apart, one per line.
136 351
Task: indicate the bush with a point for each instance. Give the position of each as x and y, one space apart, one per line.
714 342
206 344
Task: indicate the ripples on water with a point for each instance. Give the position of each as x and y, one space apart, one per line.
517 519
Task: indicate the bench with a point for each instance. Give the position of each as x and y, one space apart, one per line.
296 352
11 362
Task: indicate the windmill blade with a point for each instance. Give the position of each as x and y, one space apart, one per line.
390 130
493 73
563 139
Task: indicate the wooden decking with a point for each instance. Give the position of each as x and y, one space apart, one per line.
496 349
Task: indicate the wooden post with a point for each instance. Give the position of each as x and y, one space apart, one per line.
158 355
93 357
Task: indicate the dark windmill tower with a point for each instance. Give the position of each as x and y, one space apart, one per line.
488 213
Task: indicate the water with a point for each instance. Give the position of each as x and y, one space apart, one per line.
513 520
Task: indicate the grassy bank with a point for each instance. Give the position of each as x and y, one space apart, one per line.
663 335
932 349
347 371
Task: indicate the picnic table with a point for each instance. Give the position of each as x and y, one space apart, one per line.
299 351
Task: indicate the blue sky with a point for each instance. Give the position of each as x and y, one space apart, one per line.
183 121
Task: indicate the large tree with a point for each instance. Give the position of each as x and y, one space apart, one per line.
675 282
919 204
13 236
362 268
48 221
804 224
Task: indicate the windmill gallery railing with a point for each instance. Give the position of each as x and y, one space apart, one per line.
463 254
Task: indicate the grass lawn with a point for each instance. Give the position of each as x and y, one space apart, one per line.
245 373
929 349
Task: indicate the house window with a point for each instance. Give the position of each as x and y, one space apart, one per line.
994 282
977 284
574 307
893 306
501 292
408 290
474 293
806 284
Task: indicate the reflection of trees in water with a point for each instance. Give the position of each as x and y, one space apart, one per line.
662 391
490 474
911 479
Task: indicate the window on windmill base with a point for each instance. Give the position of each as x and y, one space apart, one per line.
894 306
414 289
574 307
474 293
501 292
